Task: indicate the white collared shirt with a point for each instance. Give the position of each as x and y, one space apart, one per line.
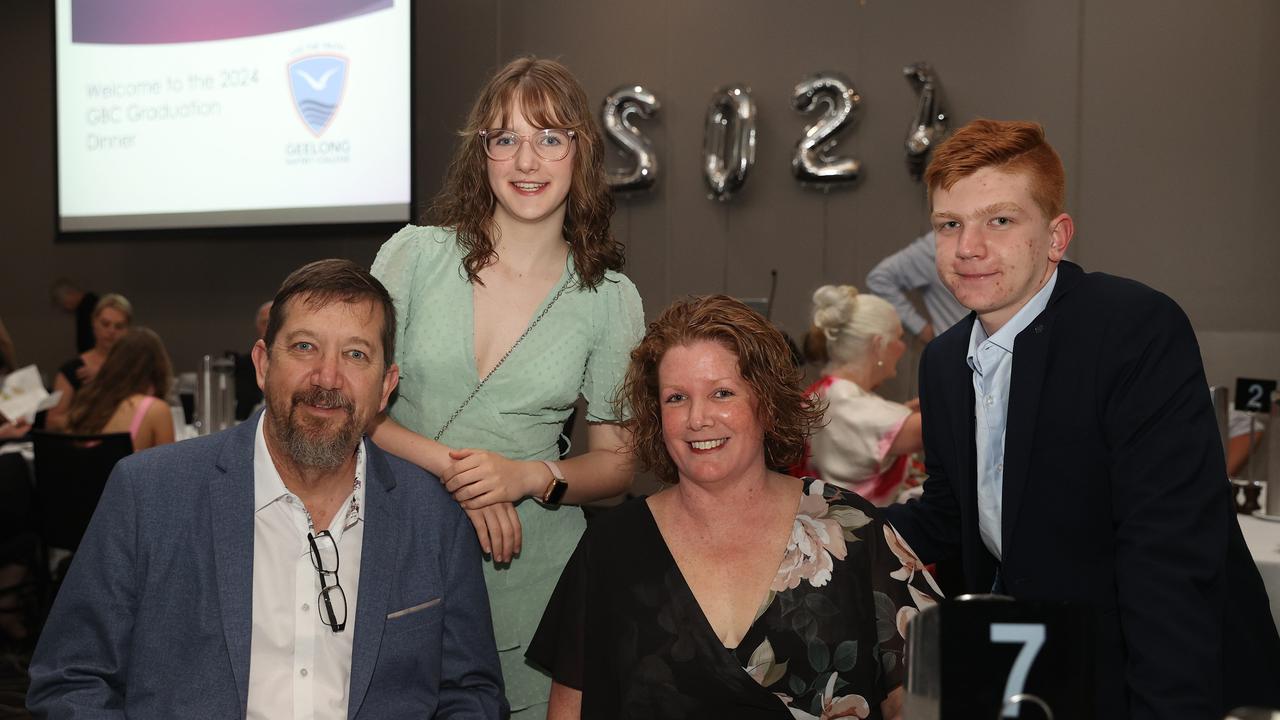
991 359
298 667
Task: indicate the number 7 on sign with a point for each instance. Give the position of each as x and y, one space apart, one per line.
1031 637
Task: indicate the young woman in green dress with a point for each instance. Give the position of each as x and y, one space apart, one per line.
509 308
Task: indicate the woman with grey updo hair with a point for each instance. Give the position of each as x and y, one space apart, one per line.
846 322
866 442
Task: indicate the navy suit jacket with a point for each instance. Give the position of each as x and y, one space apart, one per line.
1115 495
154 617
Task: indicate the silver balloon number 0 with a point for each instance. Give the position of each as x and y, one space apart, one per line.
814 164
729 140
616 114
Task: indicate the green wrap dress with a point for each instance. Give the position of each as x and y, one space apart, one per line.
581 346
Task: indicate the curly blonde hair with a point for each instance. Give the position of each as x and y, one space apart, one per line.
764 359
550 97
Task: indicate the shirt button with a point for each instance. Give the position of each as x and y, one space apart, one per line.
305 607
989 401
999 469
289 499
303 672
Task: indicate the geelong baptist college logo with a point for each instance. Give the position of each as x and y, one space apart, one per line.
317 83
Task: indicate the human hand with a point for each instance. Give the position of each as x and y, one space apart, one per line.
498 529
913 404
84 374
14 430
477 478
891 706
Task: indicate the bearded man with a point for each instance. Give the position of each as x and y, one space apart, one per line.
286 568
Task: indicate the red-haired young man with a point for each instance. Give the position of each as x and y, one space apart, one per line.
1086 464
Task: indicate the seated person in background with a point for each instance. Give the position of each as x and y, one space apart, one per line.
677 605
1243 435
286 567
128 394
8 360
17 539
15 512
111 318
865 442
913 268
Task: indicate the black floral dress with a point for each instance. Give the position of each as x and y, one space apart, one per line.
828 642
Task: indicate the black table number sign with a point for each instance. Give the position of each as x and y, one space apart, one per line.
1253 395
995 657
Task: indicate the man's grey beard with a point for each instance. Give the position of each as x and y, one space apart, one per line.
309 449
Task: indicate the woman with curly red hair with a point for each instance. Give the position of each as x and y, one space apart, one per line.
508 309
736 591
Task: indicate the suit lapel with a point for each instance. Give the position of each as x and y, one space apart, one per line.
960 388
377 568
231 507
1030 360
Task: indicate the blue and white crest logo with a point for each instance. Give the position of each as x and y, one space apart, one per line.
317 83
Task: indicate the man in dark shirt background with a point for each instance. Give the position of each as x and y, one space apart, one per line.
70 298
248 395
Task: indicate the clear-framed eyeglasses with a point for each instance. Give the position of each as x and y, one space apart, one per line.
551 144
331 603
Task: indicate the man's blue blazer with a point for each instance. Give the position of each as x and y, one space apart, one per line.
154 617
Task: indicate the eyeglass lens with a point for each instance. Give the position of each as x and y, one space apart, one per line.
331 603
548 144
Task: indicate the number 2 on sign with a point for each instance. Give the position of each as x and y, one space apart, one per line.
1031 637
1255 397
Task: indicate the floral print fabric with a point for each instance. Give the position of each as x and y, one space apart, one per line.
829 641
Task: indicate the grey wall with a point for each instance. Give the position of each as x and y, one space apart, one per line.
1163 114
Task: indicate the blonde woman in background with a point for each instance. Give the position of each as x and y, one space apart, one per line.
866 441
128 393
112 317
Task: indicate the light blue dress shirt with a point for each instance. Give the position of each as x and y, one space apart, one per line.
914 268
991 359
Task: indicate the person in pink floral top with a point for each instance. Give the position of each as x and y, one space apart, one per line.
736 592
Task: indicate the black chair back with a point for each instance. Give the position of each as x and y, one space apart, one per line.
71 471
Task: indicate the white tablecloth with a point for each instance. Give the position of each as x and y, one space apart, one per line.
1263 538
181 430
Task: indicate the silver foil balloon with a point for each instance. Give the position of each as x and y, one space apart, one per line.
729 140
814 163
616 114
930 123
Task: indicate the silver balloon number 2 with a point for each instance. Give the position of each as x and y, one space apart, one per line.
616 115
813 164
729 140
930 122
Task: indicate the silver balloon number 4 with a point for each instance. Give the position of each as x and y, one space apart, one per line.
616 114
930 123
814 164
729 140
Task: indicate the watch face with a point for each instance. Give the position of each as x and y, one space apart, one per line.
557 492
